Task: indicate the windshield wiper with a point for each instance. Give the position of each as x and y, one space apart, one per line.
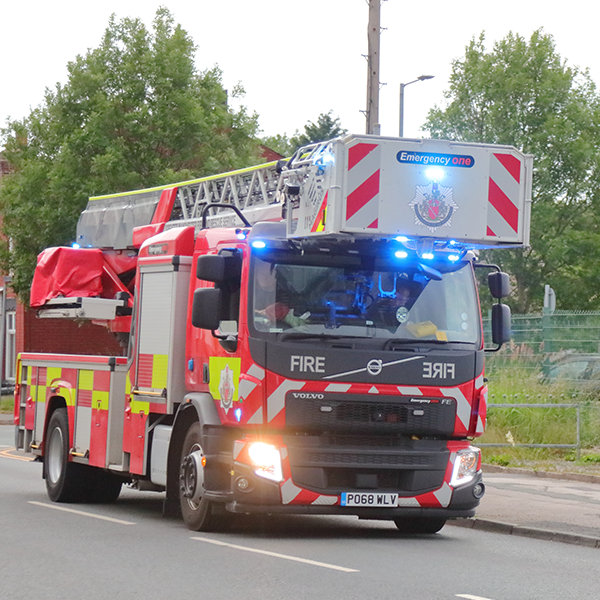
416 342
300 335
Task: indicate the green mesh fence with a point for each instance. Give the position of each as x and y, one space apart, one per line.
563 345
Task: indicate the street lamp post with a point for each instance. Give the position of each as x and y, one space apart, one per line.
402 86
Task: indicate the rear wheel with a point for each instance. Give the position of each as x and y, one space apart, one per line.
105 488
198 512
65 481
420 524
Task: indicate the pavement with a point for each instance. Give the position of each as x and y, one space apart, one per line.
558 507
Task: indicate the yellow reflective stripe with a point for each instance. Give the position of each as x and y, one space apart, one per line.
53 373
160 370
86 380
100 400
190 182
138 406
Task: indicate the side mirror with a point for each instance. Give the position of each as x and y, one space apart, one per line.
499 284
501 324
206 308
218 267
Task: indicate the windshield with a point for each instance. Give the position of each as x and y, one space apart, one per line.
298 296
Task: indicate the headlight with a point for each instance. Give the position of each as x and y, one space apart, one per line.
266 461
465 466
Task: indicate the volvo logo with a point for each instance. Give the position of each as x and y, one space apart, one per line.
374 367
307 396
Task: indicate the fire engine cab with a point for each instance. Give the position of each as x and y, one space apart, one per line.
301 337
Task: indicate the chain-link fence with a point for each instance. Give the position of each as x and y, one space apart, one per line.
545 384
564 345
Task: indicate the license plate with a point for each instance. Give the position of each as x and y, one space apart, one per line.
369 499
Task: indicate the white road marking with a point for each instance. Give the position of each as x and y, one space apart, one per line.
82 513
277 555
470 597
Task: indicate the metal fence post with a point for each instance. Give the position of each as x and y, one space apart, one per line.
578 431
546 339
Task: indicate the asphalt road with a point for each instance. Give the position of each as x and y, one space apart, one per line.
127 550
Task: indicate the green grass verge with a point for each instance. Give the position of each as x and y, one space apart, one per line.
7 404
526 425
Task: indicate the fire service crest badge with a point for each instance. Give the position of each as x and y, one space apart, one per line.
433 205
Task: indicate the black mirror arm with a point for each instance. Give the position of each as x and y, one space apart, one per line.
493 349
487 266
228 341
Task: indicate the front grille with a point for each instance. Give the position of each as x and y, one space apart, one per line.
365 412
352 412
367 441
395 464
371 459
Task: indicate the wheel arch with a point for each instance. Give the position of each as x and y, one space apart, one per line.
53 404
195 407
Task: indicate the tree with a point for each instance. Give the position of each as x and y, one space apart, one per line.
279 143
326 128
134 113
522 93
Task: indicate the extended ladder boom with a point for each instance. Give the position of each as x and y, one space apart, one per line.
109 221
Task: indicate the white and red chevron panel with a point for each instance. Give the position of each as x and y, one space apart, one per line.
476 194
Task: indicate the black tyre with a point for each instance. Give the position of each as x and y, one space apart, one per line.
65 481
419 524
105 488
198 512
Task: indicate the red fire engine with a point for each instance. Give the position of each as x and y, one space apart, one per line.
302 337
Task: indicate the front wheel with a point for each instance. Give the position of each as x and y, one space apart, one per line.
65 481
419 524
198 512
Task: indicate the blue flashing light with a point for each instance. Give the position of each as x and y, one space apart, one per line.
401 254
324 158
258 244
75 245
402 238
453 257
435 174
427 255
241 234
452 242
238 414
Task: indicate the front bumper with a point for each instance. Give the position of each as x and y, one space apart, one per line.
463 504
268 497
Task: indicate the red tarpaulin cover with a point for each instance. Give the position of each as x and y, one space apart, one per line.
68 272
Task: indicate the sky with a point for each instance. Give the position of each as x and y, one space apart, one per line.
295 61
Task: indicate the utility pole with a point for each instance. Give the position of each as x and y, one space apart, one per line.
373 34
